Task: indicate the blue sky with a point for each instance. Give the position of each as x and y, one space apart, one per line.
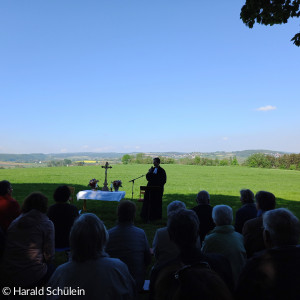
145 76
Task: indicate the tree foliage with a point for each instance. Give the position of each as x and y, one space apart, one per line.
287 161
59 163
197 160
67 162
270 12
258 160
126 159
141 158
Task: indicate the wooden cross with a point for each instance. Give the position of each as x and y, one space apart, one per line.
105 188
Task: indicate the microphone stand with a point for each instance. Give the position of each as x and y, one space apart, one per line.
132 180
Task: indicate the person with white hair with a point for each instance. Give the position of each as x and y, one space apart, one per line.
225 240
204 213
163 248
91 271
275 272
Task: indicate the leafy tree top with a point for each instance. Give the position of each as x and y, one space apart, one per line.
270 12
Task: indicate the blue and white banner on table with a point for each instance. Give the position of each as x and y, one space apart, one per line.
100 195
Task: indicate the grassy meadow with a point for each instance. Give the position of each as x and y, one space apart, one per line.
183 183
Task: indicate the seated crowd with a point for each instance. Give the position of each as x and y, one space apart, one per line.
200 254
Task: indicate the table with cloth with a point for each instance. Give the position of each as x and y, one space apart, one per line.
99 195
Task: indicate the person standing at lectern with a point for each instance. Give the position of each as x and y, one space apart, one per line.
152 205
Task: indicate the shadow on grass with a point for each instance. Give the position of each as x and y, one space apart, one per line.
190 199
232 201
106 210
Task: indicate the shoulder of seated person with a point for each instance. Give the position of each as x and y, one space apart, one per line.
253 221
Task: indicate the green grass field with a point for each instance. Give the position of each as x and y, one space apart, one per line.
183 183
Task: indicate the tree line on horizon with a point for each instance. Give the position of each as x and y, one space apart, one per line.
257 160
141 158
286 161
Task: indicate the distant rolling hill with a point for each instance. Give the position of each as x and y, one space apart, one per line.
111 156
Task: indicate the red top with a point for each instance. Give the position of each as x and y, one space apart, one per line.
9 210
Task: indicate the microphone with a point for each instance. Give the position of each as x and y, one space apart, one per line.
132 180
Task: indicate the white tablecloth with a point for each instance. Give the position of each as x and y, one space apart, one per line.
100 195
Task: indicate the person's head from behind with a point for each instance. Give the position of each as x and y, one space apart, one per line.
62 194
126 211
183 228
222 215
281 228
88 238
5 188
247 196
265 201
36 201
203 197
174 206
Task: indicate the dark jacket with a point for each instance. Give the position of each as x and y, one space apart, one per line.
158 179
63 216
193 255
253 236
273 274
204 213
246 212
152 205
